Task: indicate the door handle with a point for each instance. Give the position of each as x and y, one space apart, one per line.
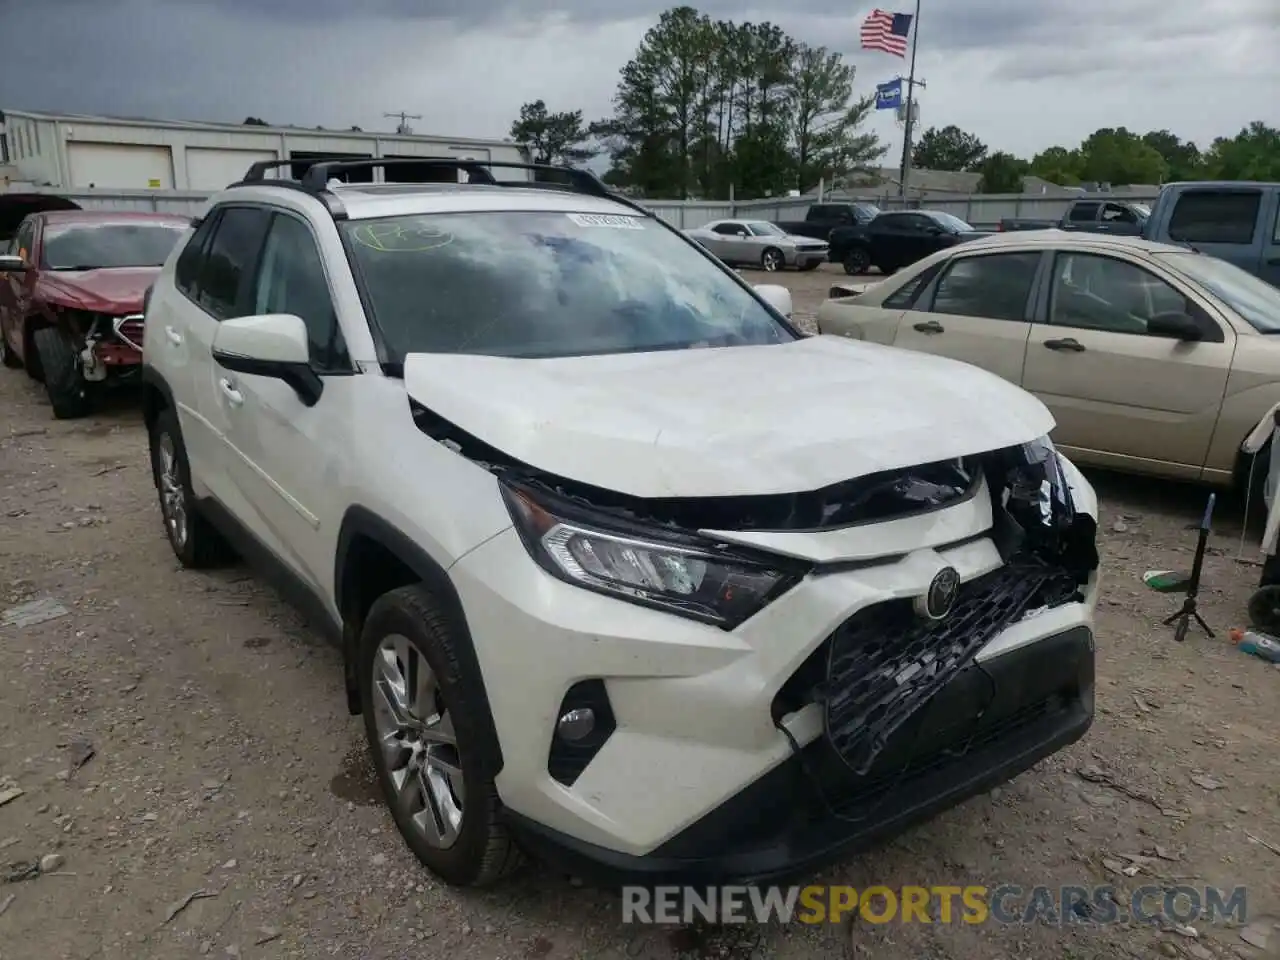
173 336
929 326
1067 344
230 392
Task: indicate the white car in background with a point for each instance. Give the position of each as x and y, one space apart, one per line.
759 243
625 570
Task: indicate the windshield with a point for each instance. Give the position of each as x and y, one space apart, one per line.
90 246
1257 301
543 284
763 229
950 222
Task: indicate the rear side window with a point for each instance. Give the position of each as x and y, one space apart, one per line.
905 295
996 287
187 270
1083 213
1215 216
230 261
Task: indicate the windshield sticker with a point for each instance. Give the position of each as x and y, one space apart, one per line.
611 220
400 237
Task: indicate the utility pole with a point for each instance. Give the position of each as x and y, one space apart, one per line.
404 129
905 170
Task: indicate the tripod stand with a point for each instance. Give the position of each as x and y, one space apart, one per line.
1189 612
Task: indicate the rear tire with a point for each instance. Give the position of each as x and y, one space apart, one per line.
426 748
195 541
68 392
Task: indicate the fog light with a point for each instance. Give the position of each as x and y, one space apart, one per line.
576 724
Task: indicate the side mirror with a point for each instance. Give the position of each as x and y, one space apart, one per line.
778 297
270 345
1175 326
12 263
934 230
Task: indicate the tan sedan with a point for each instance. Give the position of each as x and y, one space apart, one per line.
1152 358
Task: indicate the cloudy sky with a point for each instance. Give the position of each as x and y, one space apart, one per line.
1022 74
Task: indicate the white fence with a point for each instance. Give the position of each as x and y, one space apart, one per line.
983 210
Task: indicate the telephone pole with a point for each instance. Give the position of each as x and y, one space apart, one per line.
403 127
905 170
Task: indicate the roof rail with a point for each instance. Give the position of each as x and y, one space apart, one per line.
315 180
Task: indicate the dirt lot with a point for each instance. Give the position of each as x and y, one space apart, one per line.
224 764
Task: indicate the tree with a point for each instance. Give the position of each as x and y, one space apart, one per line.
552 137
255 122
823 121
948 149
1252 154
1002 173
1118 157
1057 165
1182 157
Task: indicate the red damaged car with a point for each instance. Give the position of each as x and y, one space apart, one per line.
72 285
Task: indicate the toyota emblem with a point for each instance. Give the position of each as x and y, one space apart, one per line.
940 598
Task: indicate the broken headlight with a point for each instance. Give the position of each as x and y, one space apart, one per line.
654 567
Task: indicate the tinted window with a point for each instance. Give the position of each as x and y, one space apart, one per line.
1114 213
107 245
187 270
1083 213
544 284
996 287
1215 216
728 229
233 252
1100 293
291 279
905 295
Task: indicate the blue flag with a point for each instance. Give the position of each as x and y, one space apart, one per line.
889 95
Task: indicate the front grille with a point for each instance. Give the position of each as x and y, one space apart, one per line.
130 330
885 663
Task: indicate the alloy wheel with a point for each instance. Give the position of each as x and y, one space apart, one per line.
772 261
418 742
173 496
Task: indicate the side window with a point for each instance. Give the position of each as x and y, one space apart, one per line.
728 229
187 270
232 254
292 280
1215 216
1083 213
1114 213
996 287
905 296
1100 293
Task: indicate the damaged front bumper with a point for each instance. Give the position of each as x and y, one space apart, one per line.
831 717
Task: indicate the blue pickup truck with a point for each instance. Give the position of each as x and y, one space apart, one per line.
1236 221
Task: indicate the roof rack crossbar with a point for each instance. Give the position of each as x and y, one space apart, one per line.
581 181
258 169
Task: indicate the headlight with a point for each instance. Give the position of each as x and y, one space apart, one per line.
682 574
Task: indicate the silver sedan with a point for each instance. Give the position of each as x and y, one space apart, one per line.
759 243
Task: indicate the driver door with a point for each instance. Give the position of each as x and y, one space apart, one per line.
1122 397
730 242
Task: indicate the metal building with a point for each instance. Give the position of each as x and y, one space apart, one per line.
71 153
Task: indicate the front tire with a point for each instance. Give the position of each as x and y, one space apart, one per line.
195 541
772 260
423 721
68 392
856 261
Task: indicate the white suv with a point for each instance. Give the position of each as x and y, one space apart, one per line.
626 571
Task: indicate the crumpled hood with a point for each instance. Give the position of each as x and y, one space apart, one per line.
118 290
727 421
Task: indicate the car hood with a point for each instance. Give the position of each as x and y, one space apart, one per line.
727 421
118 290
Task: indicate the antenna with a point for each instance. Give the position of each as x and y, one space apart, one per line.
403 128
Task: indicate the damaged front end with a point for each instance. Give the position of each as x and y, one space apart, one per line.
107 346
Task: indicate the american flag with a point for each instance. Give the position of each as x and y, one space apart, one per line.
887 32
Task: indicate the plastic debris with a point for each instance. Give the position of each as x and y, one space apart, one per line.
33 612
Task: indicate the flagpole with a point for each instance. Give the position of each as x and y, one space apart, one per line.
911 92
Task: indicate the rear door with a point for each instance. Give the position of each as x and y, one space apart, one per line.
1225 222
978 310
1120 396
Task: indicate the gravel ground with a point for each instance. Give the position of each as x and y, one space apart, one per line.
225 771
